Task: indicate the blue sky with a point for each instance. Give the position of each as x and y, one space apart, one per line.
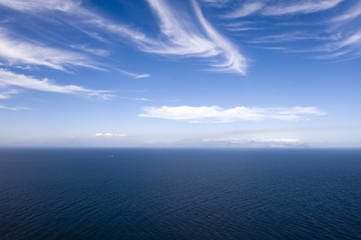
201 73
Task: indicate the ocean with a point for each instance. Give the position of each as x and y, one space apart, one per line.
180 194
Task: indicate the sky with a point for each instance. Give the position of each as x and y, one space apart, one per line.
190 73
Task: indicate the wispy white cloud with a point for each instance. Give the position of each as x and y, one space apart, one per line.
82 16
247 9
238 24
16 52
26 67
95 51
139 38
241 26
301 7
137 99
181 35
183 38
281 140
296 36
8 78
142 99
218 114
242 29
134 75
94 35
6 93
328 40
233 60
110 135
216 3
40 5
345 47
11 108
337 39
351 40
353 12
75 10
331 56
254 143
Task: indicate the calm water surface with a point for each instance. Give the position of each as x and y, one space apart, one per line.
180 194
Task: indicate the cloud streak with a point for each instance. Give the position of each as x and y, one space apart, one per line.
220 115
351 40
233 60
182 37
40 5
301 8
350 14
134 75
95 51
110 135
11 108
245 10
19 52
8 78
335 37
255 143
5 94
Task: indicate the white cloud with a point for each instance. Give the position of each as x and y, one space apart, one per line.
218 114
233 60
5 94
95 51
11 108
109 135
342 48
296 36
352 13
254 143
137 99
19 52
127 32
182 36
302 7
80 16
216 3
8 78
281 140
351 40
245 10
242 29
134 75
74 9
142 99
40 5
333 55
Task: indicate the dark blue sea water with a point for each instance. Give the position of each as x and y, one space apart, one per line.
180 194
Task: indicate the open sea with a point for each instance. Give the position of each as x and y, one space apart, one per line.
180 194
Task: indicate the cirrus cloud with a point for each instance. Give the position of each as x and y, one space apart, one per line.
11 108
110 135
220 115
182 34
303 7
8 79
14 52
